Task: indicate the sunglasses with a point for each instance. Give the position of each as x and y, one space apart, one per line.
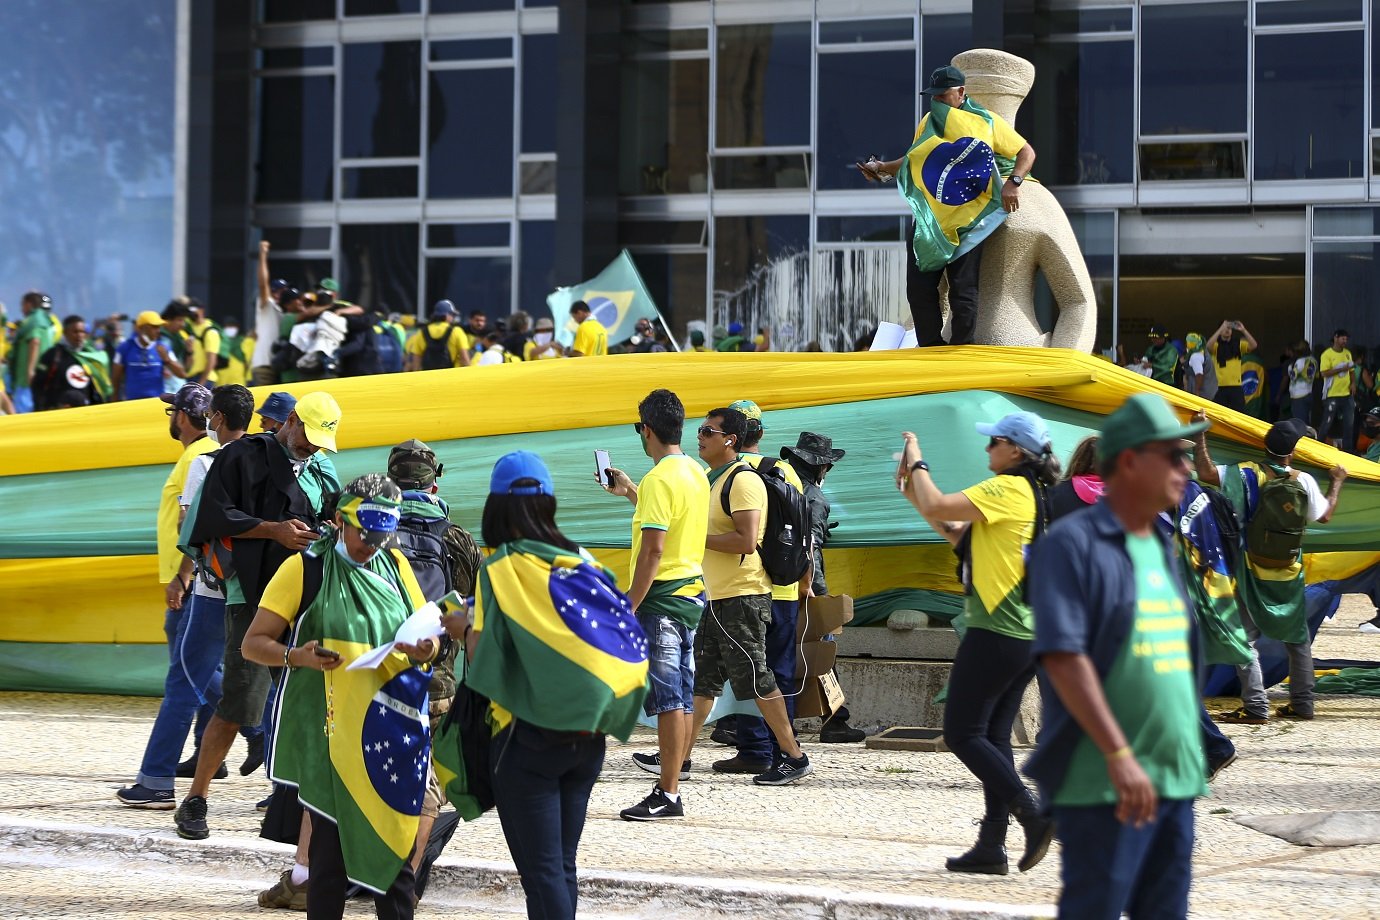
705 431
993 442
638 426
1175 455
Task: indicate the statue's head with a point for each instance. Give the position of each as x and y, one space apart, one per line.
999 81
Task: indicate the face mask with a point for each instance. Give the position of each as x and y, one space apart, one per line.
345 553
232 331
542 338
211 432
143 342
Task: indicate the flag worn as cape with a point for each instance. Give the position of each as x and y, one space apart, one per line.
952 181
559 647
356 743
1209 564
1273 598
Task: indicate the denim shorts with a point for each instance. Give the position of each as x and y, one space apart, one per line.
671 664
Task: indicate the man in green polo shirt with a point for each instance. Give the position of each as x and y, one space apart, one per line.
37 332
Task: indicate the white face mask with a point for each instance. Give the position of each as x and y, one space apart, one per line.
232 331
144 341
542 338
211 432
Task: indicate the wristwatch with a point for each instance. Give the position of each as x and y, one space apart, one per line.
919 465
1017 180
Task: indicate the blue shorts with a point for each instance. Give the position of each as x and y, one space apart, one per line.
671 665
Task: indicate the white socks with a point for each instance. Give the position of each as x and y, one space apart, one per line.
299 874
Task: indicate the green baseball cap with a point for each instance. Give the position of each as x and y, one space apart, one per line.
750 409
944 79
1143 419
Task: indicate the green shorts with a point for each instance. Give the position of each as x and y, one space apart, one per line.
731 644
244 685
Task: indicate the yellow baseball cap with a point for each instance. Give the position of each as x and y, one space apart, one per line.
320 416
148 318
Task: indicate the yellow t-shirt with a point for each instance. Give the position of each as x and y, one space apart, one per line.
780 592
1229 370
672 498
283 594
459 341
1007 142
236 367
591 338
1339 385
728 574
169 559
997 600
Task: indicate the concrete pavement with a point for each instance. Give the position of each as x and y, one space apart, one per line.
866 836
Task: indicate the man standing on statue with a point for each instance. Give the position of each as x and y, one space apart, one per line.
962 176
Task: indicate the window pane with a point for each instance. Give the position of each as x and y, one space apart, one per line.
1309 105
471 134
941 37
296 162
871 229
1088 21
536 261
288 239
476 50
1375 69
472 283
298 10
1088 88
1209 160
661 233
1212 35
1346 222
378 265
761 267
786 170
537 177
855 123
447 236
1294 12
1096 233
866 30
379 182
381 7
297 57
665 129
303 274
469 6
382 92
539 93
677 284
764 85
1346 288
650 41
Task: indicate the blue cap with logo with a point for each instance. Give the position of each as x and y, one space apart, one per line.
518 466
1024 429
278 406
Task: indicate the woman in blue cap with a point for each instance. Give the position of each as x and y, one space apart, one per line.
992 525
557 650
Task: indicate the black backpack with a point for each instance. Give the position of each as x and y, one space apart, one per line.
785 546
423 542
437 353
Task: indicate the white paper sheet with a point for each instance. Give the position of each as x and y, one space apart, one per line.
425 623
889 336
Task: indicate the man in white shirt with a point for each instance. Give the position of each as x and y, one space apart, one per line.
1302 374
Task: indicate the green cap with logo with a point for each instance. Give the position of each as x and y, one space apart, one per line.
749 409
1143 419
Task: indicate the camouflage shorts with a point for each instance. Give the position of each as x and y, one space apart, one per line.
731 644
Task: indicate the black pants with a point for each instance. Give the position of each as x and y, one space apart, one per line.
1231 397
326 893
988 679
922 293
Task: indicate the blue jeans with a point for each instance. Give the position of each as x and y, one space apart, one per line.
1108 867
541 785
1338 408
196 642
671 668
755 740
1216 746
1301 408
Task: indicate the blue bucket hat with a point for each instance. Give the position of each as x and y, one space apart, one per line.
520 464
278 407
1024 429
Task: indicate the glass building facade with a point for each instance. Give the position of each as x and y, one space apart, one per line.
1214 156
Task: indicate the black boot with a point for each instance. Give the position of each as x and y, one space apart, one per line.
1038 827
988 855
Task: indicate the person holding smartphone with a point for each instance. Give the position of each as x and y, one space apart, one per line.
1226 351
992 525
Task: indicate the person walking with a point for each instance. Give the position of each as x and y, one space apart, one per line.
992 526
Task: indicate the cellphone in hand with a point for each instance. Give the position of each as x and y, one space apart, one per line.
601 467
320 651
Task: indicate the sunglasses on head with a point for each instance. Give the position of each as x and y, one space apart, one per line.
706 430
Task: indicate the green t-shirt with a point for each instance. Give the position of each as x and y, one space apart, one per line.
1151 692
35 333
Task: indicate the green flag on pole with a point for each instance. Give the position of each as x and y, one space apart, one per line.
617 298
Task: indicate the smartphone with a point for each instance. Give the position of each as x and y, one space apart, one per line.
320 651
900 458
601 466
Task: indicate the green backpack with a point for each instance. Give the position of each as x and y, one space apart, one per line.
224 351
1274 534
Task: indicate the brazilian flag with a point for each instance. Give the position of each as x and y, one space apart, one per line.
559 646
1274 597
1208 563
952 181
356 743
1254 384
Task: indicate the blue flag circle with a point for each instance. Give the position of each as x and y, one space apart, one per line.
397 747
957 172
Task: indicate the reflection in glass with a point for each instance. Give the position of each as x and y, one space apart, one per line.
1088 89
470 6
1205 160
298 10
1375 156
381 7
471 134
652 40
1309 106
378 265
379 182
1096 233
474 49
472 283
634 233
382 91
1299 12
866 30
296 57
295 139
539 93
537 177
1360 221
865 101
878 228
455 236
665 127
762 271
785 170
941 37
763 90
289 239
536 265
677 283
1375 69
1346 288
1215 38
1088 21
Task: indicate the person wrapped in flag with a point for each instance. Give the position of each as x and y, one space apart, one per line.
557 650
355 744
961 177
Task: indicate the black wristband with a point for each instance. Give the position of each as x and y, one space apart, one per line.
919 465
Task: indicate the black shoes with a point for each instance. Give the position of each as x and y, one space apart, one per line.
191 819
740 764
254 758
652 764
988 855
787 770
654 807
187 769
838 731
1038 827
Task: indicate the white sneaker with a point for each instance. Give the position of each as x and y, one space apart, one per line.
1370 626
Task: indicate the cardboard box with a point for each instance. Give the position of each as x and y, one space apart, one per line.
820 694
823 616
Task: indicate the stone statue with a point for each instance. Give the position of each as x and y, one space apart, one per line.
1037 236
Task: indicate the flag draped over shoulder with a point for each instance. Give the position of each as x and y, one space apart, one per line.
559 647
1209 564
1273 597
952 181
356 743
681 599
